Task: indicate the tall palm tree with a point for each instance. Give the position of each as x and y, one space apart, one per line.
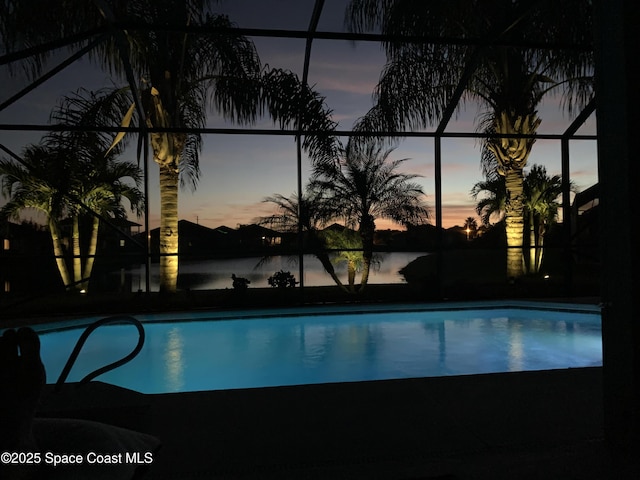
65 185
365 186
420 79
100 186
183 74
180 76
102 190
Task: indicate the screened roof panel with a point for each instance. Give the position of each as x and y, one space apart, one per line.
276 14
336 67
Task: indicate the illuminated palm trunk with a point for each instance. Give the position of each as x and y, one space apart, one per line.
77 257
366 269
58 253
512 154
540 245
351 274
514 221
168 229
91 253
533 244
167 151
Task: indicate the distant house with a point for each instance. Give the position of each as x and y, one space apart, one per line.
198 240
194 239
24 238
119 233
226 237
256 236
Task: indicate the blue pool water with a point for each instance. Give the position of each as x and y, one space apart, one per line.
207 352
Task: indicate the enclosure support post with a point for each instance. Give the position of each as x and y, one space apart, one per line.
439 233
617 41
566 217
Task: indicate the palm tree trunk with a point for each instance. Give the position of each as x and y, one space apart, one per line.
367 230
168 229
512 154
539 254
93 247
328 267
514 222
532 245
59 254
540 247
77 258
366 268
351 273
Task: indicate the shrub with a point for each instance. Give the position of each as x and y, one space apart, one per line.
239 283
282 279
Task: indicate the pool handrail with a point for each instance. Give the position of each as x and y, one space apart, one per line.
83 338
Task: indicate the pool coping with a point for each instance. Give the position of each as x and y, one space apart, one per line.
326 309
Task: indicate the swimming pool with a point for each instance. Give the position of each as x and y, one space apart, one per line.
215 351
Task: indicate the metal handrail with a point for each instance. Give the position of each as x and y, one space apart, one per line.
83 338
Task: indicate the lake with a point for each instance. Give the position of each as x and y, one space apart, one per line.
216 274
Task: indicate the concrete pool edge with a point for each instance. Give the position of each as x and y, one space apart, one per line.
328 309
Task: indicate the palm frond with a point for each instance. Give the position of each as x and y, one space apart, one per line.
493 202
418 79
294 105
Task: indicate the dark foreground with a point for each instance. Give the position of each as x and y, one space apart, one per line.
531 425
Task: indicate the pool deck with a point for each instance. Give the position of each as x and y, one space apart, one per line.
528 425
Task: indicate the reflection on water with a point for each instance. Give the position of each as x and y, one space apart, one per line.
174 360
516 348
216 274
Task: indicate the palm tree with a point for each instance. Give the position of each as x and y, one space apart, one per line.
64 184
101 191
493 201
470 225
345 246
541 194
309 215
540 200
99 187
365 186
181 76
420 79
40 184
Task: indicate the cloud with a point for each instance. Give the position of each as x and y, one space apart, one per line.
453 214
345 83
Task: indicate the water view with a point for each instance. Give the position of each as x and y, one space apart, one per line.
216 274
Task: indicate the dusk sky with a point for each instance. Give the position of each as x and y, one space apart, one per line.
239 171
